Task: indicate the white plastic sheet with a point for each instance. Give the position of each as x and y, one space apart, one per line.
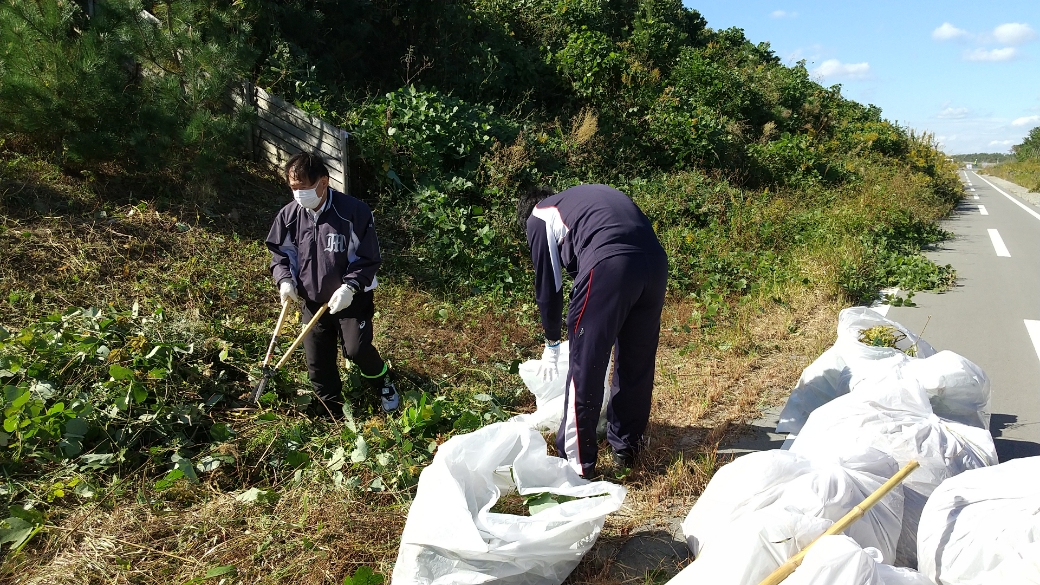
452 537
549 396
896 417
983 527
839 560
749 549
842 367
783 480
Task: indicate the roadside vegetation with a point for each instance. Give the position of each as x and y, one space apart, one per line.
136 302
1024 168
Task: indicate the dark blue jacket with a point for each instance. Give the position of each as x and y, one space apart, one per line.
319 256
573 231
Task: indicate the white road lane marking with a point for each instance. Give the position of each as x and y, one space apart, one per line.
1033 327
1013 200
972 189
998 244
976 196
982 210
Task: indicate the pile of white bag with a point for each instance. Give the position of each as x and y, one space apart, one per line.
860 413
983 527
839 560
957 388
782 480
452 536
896 418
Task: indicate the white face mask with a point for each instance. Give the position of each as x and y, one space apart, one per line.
307 198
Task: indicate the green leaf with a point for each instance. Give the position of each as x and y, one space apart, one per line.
22 399
297 459
338 460
11 424
169 479
139 392
257 496
15 531
76 428
118 372
218 571
364 576
360 452
186 466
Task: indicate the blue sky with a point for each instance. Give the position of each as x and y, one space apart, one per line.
969 72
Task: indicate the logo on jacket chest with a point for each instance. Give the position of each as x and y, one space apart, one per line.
336 243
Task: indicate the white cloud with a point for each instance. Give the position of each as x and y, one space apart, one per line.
948 32
1026 120
1005 54
1014 33
952 113
835 69
1001 142
783 14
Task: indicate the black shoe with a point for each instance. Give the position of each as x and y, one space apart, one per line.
624 459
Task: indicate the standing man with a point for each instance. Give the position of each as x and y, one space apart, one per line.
620 271
324 249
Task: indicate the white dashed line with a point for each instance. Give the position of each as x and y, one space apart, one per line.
1033 327
976 196
982 210
1013 200
998 244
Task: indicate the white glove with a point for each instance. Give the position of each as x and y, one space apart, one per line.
341 299
548 368
287 292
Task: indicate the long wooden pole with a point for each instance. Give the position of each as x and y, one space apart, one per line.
784 571
277 330
299 339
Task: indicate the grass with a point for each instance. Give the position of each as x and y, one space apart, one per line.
116 239
1025 173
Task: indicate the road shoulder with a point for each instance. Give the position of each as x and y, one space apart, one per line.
1015 189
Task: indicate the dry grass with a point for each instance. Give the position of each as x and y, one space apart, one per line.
311 535
314 534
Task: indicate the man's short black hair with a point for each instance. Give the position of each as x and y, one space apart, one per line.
308 165
525 205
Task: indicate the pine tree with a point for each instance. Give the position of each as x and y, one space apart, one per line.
140 88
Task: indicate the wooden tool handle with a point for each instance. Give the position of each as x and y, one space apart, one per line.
784 571
277 330
299 338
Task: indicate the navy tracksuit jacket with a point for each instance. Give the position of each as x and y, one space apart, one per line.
318 255
620 271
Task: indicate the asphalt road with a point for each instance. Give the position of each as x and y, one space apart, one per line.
992 316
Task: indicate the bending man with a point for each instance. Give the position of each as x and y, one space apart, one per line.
620 271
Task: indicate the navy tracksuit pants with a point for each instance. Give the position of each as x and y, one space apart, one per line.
349 331
617 302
